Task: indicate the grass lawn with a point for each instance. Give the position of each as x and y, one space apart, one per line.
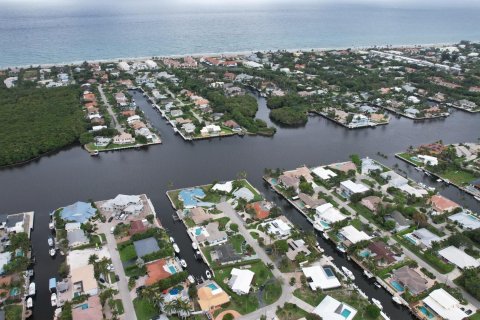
236 242
458 177
290 311
272 292
257 196
254 234
222 222
475 316
128 253
13 312
119 306
357 223
408 157
189 222
311 297
144 309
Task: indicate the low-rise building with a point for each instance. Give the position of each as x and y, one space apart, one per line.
458 257
241 280
444 305
349 188
321 277
353 235
83 280
332 309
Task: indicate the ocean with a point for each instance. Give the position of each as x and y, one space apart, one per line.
56 32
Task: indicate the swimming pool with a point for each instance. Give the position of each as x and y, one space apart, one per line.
426 312
212 286
364 253
172 269
329 272
198 231
397 286
409 238
190 196
345 313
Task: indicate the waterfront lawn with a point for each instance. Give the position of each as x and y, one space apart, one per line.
144 309
246 184
458 177
409 157
13 312
173 195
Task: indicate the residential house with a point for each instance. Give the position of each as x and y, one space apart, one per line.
295 247
458 257
381 253
146 246
310 202
324 173
321 277
83 280
466 220
332 309
210 234
123 138
442 205
211 296
241 280
401 223
279 227
372 203
349 188
410 279
262 209
445 305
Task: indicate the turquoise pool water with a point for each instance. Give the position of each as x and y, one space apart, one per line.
329 272
397 286
198 231
172 269
426 312
345 313
84 306
273 181
212 286
364 253
410 239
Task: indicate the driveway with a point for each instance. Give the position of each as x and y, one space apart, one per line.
127 299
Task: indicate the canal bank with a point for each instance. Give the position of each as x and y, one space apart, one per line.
71 175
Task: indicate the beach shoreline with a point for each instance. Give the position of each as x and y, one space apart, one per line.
228 54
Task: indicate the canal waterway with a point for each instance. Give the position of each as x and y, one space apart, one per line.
71 175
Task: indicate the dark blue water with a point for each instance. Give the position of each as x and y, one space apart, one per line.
34 32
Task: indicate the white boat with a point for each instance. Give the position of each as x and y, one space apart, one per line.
172 240
477 198
325 235
377 303
384 316
94 153
348 273
198 255
53 299
318 226
418 168
31 289
52 252
341 249
176 248
191 279
447 181
208 274
368 274
51 225
397 300
432 189
439 180
183 263
29 303
377 285
194 246
50 241
427 173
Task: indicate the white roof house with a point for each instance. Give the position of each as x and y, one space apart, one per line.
459 258
211 128
329 214
240 280
332 309
277 227
318 278
224 187
424 236
133 118
369 165
353 235
466 220
432 161
323 173
394 179
123 66
417 192
349 187
72 226
443 304
244 193
127 203
151 64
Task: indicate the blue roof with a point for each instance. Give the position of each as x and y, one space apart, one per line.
78 212
190 197
52 283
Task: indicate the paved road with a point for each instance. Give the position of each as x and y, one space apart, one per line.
270 310
109 109
122 283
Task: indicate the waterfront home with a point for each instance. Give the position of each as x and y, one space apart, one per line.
279 228
137 124
349 188
133 118
441 205
324 173
401 223
137 226
199 215
144 132
309 201
225 254
289 181
244 193
381 253
369 165
176 113
466 220
332 309
78 212
394 179
412 112
422 238
188 128
409 278
428 160
17 223
76 237
210 129
327 214
91 309
146 246
98 128
232 125
209 234
241 280
101 141
321 277
372 203
466 105
225 187
300 172
123 138
83 280
353 235
445 305
458 257
211 296
158 270
124 66
123 204
359 120
261 208
295 247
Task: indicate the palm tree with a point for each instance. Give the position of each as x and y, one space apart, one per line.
92 259
153 295
183 307
169 307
